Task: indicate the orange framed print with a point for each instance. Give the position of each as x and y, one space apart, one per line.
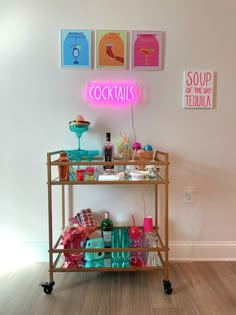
111 49
146 50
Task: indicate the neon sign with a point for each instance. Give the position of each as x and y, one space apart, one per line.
112 93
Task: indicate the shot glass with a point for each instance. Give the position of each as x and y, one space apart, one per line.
80 175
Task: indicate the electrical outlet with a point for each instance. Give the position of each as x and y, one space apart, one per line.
189 195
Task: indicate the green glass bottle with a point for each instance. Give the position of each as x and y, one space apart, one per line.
106 229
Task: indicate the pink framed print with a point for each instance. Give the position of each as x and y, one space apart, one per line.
146 50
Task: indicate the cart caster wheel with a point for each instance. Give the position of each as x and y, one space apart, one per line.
167 287
47 286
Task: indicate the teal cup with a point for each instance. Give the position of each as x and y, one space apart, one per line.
115 243
125 243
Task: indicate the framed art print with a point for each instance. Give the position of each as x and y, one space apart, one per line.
111 49
146 49
76 49
198 89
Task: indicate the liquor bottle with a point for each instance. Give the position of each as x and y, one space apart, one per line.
63 170
106 229
108 152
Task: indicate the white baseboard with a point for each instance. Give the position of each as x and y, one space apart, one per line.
202 251
179 251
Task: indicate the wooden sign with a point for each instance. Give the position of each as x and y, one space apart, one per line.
198 89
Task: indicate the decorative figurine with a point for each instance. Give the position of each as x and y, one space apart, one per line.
124 148
153 170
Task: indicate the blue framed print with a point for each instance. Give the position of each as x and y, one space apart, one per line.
76 49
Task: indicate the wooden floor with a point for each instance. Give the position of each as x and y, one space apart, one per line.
198 288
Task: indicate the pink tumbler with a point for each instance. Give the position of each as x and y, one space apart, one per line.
136 258
147 224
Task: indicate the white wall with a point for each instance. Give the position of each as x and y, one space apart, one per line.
38 99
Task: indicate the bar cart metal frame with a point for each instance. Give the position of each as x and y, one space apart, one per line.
160 159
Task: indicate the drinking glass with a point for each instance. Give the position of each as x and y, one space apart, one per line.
115 243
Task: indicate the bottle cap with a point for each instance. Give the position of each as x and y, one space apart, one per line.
108 136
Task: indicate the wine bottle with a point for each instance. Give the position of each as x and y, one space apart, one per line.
106 229
108 152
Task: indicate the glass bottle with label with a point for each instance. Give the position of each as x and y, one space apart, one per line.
106 229
108 152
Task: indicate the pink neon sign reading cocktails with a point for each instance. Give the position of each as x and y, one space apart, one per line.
112 93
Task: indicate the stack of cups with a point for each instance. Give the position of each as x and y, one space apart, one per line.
115 243
150 241
125 243
120 239
136 258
